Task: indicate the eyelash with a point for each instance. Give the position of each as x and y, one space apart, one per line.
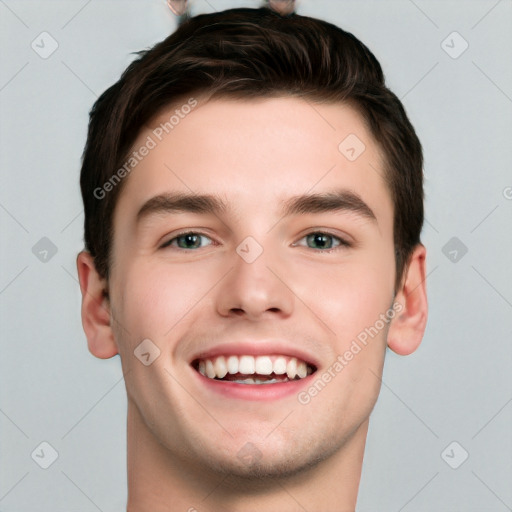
343 244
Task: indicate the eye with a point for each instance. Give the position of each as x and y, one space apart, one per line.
188 240
323 242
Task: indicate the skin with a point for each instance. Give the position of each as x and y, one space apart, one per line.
183 440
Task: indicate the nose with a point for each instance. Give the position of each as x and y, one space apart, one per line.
255 290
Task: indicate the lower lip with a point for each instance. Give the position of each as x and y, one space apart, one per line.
254 391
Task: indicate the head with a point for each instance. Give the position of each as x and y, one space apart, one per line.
254 109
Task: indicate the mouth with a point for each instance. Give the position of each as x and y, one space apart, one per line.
260 370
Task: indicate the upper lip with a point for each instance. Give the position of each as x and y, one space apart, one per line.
257 348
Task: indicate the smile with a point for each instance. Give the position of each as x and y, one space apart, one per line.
247 369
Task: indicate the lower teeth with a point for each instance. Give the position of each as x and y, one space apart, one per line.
257 381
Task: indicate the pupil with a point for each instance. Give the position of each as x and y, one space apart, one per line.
321 240
189 240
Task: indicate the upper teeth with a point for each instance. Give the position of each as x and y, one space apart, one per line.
248 365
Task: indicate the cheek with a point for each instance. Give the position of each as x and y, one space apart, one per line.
350 301
348 297
155 299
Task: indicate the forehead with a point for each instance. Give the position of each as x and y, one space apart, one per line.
256 153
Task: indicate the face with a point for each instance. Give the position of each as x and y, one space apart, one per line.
289 258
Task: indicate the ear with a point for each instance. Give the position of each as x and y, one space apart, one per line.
407 328
95 308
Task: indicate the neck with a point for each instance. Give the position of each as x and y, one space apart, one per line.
159 481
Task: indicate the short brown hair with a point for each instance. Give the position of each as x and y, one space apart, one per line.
251 53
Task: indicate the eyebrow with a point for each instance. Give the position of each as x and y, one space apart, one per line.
341 200
180 203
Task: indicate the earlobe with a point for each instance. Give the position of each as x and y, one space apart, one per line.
407 328
95 309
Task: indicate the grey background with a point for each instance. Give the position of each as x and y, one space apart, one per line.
456 387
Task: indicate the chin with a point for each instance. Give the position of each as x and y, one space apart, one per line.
265 461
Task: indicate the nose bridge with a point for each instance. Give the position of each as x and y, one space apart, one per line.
254 285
